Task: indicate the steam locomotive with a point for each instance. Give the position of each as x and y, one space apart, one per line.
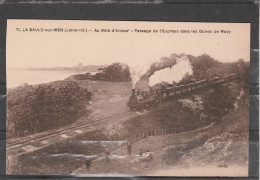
139 100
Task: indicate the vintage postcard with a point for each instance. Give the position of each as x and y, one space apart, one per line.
127 98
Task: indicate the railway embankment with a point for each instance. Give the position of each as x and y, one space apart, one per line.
71 153
108 100
218 148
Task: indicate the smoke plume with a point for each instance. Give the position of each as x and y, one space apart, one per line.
136 72
172 74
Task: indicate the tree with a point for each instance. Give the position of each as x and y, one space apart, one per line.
44 107
244 74
241 64
243 70
218 102
201 65
80 65
115 72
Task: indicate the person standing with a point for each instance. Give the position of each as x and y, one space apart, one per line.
88 163
129 148
141 152
107 154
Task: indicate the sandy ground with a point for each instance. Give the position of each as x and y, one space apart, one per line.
221 147
181 154
219 150
109 98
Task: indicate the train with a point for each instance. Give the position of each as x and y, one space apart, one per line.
140 100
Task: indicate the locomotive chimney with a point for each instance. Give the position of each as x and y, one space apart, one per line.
133 92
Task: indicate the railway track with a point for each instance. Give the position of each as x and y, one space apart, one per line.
45 136
41 137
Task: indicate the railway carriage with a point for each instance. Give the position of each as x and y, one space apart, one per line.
139 101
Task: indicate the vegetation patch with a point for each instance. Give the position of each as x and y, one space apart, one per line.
41 108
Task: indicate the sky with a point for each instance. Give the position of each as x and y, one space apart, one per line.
66 49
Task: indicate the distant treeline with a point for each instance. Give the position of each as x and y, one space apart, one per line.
204 66
78 68
36 109
115 72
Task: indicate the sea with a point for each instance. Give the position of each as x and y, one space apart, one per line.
17 78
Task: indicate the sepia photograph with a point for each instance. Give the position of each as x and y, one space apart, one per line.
127 98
